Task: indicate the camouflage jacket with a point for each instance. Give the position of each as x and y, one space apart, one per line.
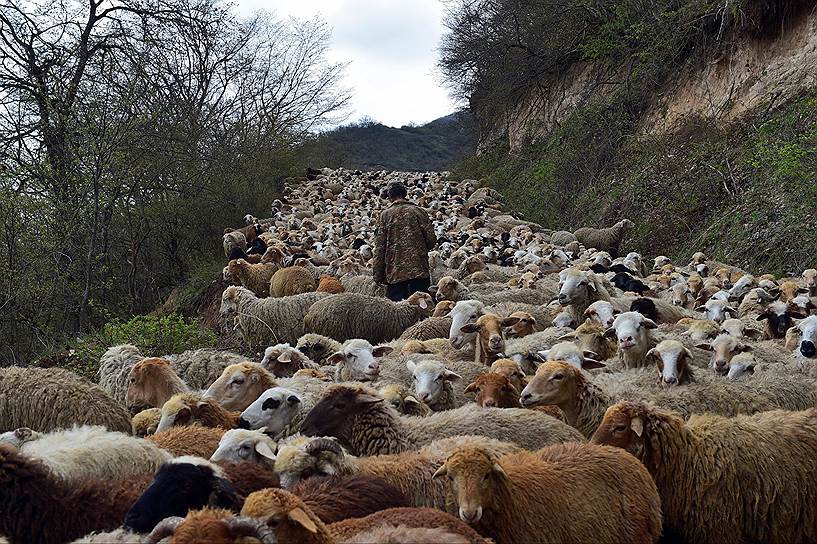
403 238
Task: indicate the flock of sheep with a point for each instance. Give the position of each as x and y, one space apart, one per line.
550 388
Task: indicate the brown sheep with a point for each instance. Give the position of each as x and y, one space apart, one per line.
213 526
189 409
189 440
329 284
572 493
292 280
240 385
145 422
151 383
293 521
495 390
255 277
336 498
490 340
511 370
443 308
590 338
313 373
525 325
762 463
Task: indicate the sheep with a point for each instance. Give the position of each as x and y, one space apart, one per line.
810 280
152 382
283 361
336 498
443 308
95 453
717 310
189 440
243 445
317 347
590 338
368 427
262 322
601 312
428 328
255 277
525 324
211 525
145 422
189 408
725 346
571 353
701 329
294 521
114 368
606 239
564 493
789 290
357 360
673 360
464 312
511 370
234 239
198 368
117 536
293 280
183 484
279 411
369 318
495 390
362 285
634 339
778 317
329 284
490 339
523 351
391 534
768 472
438 385
562 238
807 345
37 506
579 289
402 400
239 385
452 289
737 328
54 398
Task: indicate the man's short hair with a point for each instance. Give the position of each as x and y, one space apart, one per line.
396 190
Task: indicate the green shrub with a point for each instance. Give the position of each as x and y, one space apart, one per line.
153 335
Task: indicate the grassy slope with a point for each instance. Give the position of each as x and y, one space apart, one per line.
747 195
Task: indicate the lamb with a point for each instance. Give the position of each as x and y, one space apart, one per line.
490 339
606 239
767 472
242 445
36 506
318 348
152 382
92 452
523 496
189 408
402 400
367 427
262 322
187 440
329 284
293 280
114 369
511 370
283 361
239 385
495 390
294 521
439 385
279 411
590 338
373 319
634 339
54 398
255 277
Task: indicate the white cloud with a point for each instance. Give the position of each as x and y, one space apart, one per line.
391 45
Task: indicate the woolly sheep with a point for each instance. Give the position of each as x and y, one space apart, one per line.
768 473
367 427
152 382
579 289
634 339
279 411
255 277
329 284
401 399
606 239
211 525
241 445
442 386
199 367
428 328
114 368
189 408
564 491
362 285
283 360
48 399
293 280
262 322
318 347
189 440
369 318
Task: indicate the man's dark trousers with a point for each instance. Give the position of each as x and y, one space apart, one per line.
404 289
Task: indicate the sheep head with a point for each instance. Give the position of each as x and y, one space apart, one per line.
151 383
239 445
274 410
555 382
672 361
430 378
626 425
239 385
723 348
304 457
512 371
474 475
494 391
339 408
291 519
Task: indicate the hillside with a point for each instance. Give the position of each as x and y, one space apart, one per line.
696 122
369 145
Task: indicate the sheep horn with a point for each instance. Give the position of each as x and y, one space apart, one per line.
253 528
323 444
165 528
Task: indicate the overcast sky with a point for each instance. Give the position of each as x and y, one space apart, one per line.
391 45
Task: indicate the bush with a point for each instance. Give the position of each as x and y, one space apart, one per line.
153 335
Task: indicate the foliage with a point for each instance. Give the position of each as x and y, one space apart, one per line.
369 145
153 335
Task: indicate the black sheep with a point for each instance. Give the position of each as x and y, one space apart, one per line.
258 247
237 253
645 307
626 282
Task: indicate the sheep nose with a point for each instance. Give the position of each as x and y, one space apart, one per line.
677 303
490 403
374 369
563 298
243 423
671 380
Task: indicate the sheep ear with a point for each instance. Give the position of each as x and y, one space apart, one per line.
442 471
568 336
364 398
610 333
746 347
299 516
381 351
469 328
650 324
411 400
637 426
263 449
411 365
587 364
761 317
451 376
510 321
704 345
285 357
336 358
472 388
499 471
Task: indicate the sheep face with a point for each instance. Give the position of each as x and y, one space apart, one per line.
592 342
463 313
489 329
717 310
283 360
742 364
564 351
401 399
631 330
443 308
512 371
291 518
601 312
810 280
449 288
624 426
495 391
723 349
150 384
239 386
183 484
239 445
315 348
336 412
274 410
303 458
525 325
680 295
429 379
789 290
575 285
473 474
229 302
778 318
553 383
672 360
808 337
359 358
177 411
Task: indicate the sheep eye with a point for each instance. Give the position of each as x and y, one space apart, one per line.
340 406
558 376
620 428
